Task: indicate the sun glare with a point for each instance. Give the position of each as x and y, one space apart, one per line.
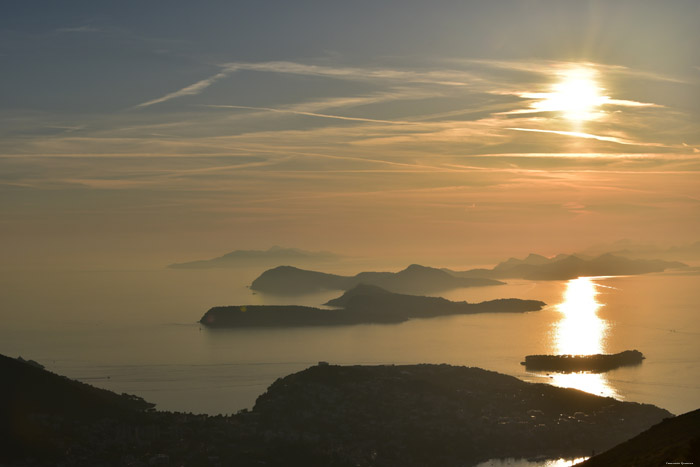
577 95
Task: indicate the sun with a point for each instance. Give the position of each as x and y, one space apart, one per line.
576 95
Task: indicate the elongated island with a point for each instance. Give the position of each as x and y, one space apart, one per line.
570 363
415 279
364 304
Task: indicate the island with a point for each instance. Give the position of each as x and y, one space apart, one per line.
564 267
247 258
364 304
597 363
415 279
330 415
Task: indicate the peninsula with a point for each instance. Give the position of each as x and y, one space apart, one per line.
364 304
415 279
597 363
337 416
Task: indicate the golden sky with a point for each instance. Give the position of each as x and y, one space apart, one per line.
145 135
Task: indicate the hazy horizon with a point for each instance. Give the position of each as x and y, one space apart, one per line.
142 134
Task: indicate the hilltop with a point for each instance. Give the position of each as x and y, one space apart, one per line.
443 415
415 279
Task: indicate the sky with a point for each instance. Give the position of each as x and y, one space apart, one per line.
136 134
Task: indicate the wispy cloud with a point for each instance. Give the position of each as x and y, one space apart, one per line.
539 104
577 134
545 67
190 90
313 114
439 77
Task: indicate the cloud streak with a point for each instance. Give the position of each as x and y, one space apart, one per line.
439 77
191 90
313 114
578 134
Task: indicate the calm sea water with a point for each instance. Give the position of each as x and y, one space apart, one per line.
137 332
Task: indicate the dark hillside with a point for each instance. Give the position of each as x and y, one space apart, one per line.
674 441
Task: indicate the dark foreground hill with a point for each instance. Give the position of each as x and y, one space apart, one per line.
415 279
417 415
364 304
562 267
444 415
33 402
674 441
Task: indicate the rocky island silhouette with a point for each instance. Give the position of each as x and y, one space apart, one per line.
364 304
415 279
596 363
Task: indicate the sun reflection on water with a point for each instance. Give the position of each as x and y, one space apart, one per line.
564 462
580 331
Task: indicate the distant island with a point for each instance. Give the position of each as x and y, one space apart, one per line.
274 255
364 304
415 279
596 363
336 416
563 267
632 249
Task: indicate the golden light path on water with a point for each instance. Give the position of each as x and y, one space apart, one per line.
522 462
563 462
580 331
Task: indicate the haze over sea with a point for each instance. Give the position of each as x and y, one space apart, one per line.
137 332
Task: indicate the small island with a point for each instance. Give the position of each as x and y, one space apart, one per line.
597 363
364 304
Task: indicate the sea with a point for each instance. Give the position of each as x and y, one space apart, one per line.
137 332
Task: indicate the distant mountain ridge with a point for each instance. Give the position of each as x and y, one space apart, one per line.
562 267
273 255
364 304
415 279
631 249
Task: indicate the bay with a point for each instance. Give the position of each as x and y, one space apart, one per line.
137 332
